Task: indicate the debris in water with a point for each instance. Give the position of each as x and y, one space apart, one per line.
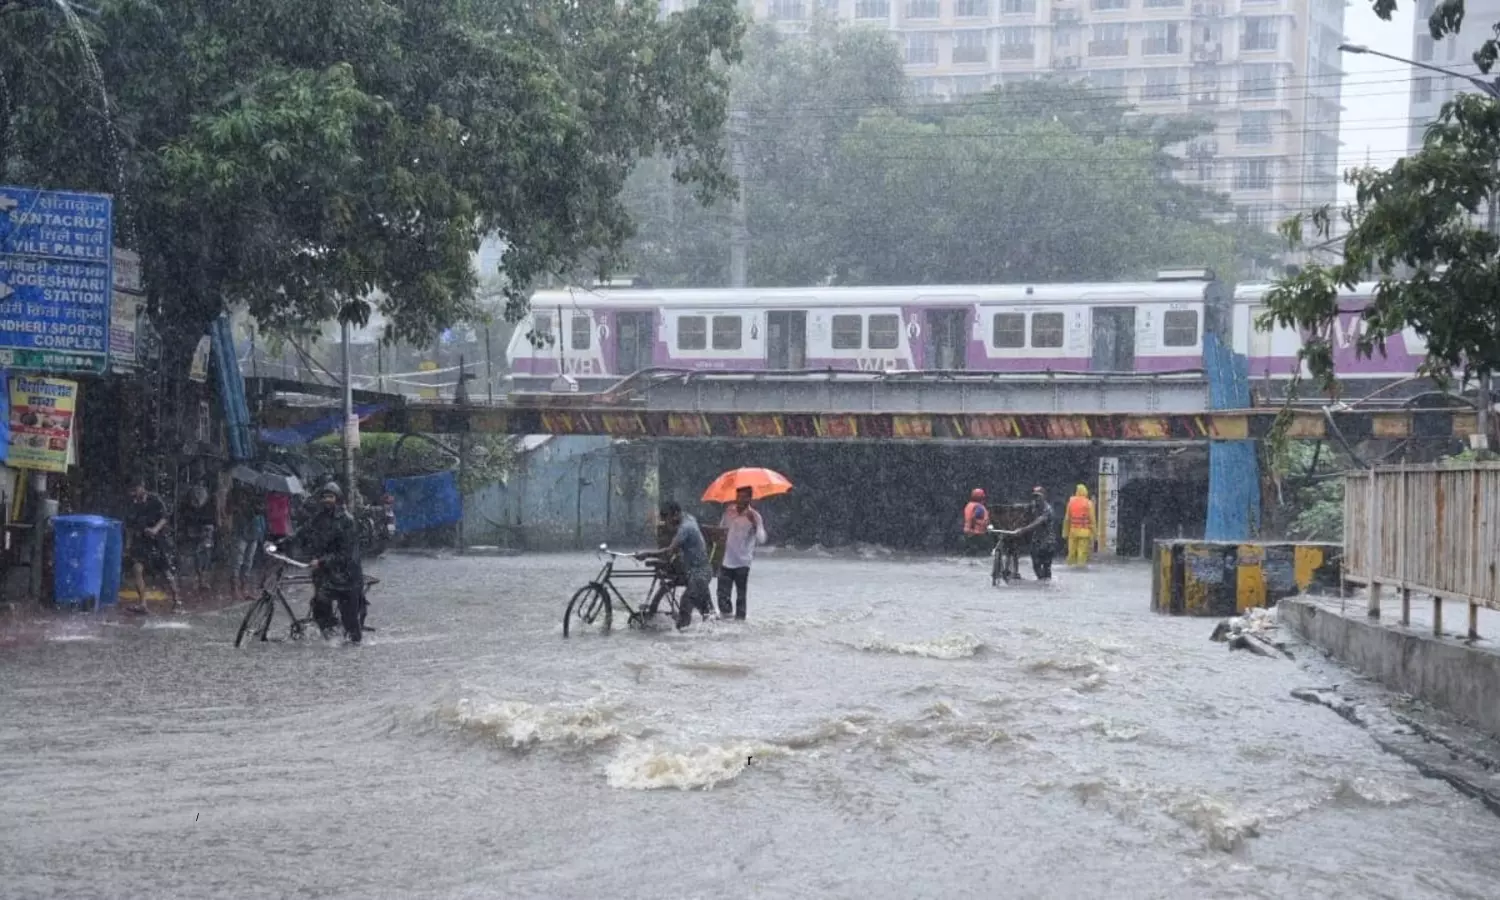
1253 631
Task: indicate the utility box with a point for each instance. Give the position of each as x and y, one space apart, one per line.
1225 578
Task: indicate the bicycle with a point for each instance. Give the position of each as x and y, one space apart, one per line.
593 604
257 621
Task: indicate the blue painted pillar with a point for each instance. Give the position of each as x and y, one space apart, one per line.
1233 468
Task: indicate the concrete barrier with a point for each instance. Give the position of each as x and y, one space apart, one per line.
1225 578
1461 679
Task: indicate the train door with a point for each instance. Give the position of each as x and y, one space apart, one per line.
947 338
1114 338
786 340
634 340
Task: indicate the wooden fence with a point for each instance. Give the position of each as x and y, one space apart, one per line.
1431 529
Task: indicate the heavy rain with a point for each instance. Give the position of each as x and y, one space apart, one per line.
748 448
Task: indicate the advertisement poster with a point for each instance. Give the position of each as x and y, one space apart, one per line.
41 422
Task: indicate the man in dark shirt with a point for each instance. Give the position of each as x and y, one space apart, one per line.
1040 531
148 548
331 541
688 541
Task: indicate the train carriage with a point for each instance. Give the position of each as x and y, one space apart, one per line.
602 335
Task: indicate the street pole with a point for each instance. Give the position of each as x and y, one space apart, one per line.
349 490
739 238
461 398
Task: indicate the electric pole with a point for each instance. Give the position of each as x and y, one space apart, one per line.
739 236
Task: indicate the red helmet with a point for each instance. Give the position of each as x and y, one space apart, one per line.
977 494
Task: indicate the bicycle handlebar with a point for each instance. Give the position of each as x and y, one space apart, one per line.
286 560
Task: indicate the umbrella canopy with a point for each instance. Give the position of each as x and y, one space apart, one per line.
274 482
762 482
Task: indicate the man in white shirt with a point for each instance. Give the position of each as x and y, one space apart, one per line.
744 528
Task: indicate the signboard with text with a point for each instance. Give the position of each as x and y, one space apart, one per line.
1108 509
56 277
41 422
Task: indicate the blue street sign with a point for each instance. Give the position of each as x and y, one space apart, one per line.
56 277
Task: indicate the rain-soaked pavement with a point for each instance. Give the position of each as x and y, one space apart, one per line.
877 729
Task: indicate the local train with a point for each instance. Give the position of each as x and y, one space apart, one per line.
601 335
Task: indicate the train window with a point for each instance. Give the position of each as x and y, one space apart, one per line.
727 332
1010 331
692 333
1046 329
583 332
1180 328
885 332
848 332
541 323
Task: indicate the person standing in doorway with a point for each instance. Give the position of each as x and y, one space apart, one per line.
196 517
1079 527
1039 530
743 529
976 524
148 547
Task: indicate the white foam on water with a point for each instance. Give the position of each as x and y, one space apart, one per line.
72 638
649 767
950 646
518 725
1222 827
165 625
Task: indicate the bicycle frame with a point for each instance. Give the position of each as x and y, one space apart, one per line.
657 575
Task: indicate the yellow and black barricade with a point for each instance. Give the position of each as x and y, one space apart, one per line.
1225 578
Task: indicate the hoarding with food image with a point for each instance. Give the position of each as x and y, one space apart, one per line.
41 422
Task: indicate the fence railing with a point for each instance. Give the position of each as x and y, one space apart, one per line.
1432 529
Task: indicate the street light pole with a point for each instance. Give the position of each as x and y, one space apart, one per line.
1491 89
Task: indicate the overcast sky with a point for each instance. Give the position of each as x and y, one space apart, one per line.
1376 91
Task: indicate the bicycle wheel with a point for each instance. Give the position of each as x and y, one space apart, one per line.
592 609
257 620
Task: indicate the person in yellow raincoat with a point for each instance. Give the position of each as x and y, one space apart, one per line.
1079 526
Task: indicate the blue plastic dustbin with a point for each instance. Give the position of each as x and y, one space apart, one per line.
80 553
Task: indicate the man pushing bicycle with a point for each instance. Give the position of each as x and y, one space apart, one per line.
331 541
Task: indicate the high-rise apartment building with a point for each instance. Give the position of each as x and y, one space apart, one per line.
1430 90
1266 72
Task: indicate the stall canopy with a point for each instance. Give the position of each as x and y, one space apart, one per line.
308 432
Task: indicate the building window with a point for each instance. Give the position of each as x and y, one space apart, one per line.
969 47
921 9
1260 33
583 332
1164 4
692 333
1424 48
1046 330
872 9
971 84
1109 4
921 49
885 332
786 10
1161 86
1108 81
1255 128
971 9
1258 82
1206 170
1180 328
1010 331
1110 40
727 331
1018 7
847 332
1162 39
1253 175
1015 43
1422 89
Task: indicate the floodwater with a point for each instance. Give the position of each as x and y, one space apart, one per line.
877 729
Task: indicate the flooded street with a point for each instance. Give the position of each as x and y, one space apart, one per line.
876 729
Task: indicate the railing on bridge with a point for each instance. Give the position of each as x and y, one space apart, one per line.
1432 529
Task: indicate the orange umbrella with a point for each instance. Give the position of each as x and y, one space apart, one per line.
763 483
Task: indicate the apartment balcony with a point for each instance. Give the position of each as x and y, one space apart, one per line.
1109 48
1065 63
966 56
1161 47
1208 10
1013 52
1066 17
1203 99
1209 52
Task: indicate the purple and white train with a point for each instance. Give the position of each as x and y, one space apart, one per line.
606 334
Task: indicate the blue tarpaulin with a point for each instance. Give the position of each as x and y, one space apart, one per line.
308 432
425 501
4 415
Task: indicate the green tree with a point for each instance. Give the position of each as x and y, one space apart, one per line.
297 156
793 99
1415 229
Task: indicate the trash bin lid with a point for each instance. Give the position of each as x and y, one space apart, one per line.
81 522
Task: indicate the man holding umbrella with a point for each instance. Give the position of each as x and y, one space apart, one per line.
743 529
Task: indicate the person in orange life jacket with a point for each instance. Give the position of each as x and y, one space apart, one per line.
1079 526
976 525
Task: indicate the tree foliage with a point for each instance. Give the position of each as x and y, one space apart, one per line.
1415 228
300 155
849 179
